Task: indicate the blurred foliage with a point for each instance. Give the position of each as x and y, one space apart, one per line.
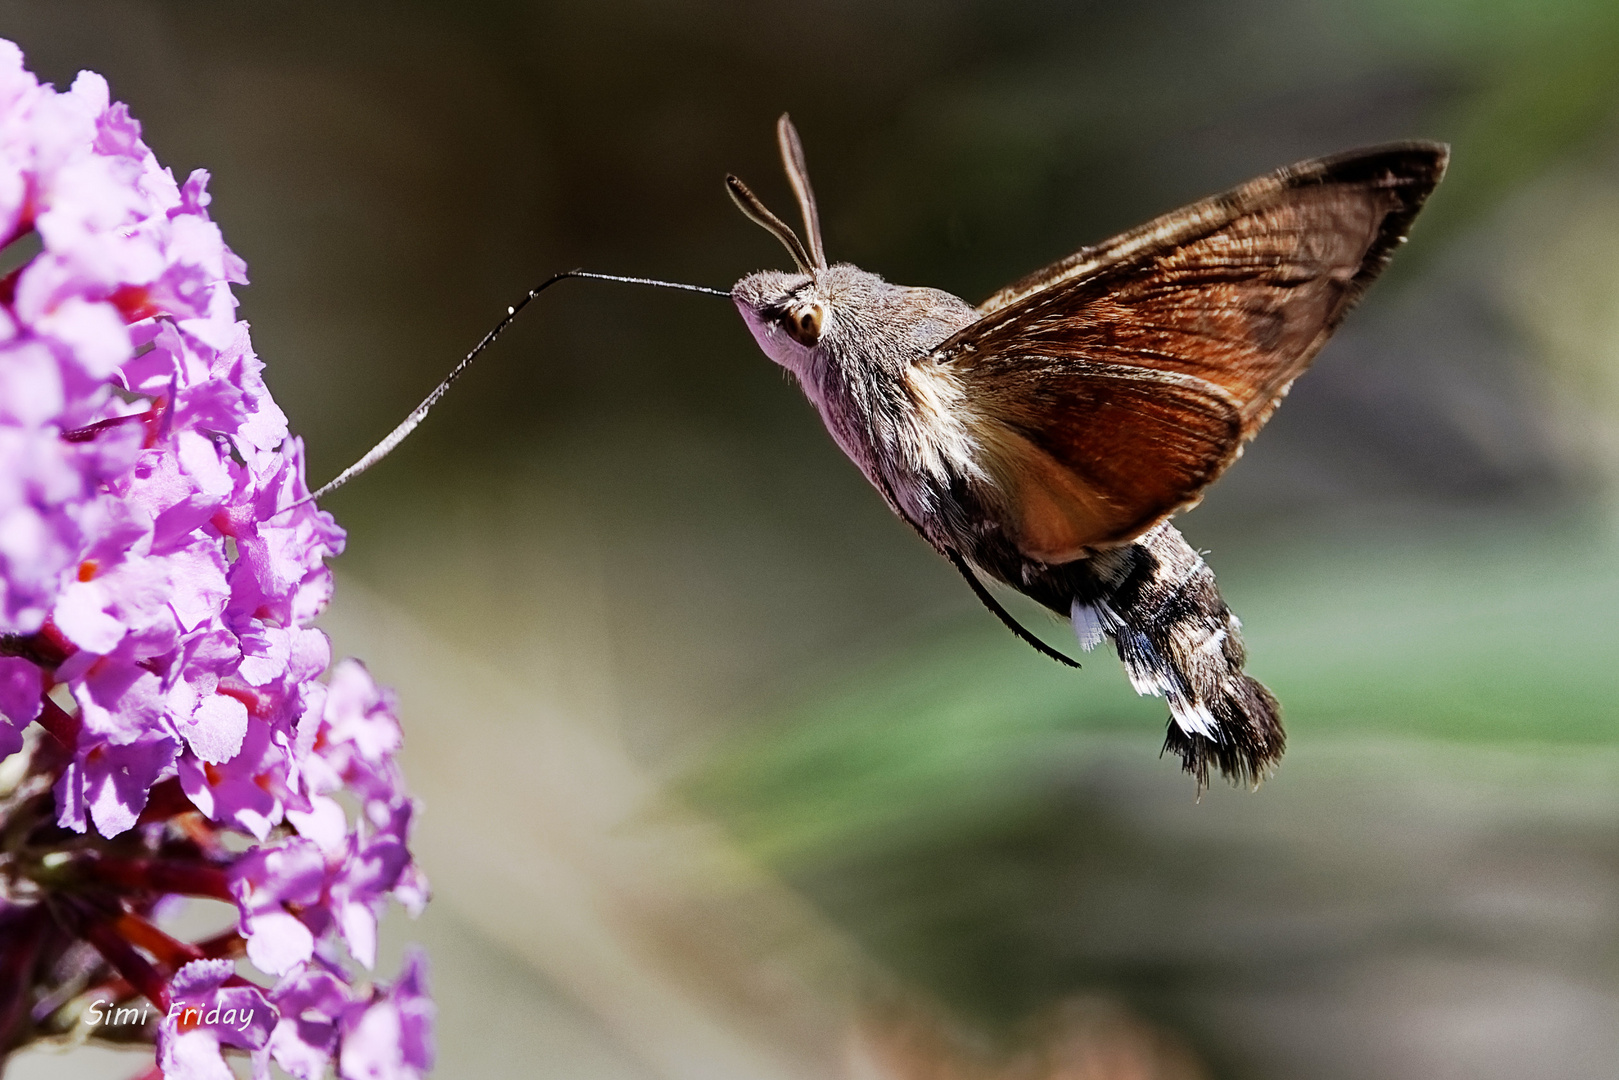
1492 636
1539 80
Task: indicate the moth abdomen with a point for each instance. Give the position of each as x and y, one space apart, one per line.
1158 602
1248 715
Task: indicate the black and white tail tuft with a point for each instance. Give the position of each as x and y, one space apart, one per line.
1157 600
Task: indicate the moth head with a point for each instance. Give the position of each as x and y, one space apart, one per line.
789 314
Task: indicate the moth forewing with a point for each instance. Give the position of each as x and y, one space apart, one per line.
1238 292
1068 440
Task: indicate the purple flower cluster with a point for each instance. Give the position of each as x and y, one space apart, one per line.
158 574
310 1018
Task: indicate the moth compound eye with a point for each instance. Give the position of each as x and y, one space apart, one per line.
804 323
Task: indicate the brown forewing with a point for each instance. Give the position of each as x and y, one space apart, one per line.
1068 487
1234 295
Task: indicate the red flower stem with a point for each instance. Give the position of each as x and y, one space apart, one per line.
154 1073
226 946
59 724
24 226
8 284
160 875
90 431
123 958
169 951
166 800
197 829
47 646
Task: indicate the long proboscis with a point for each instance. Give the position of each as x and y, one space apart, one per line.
398 434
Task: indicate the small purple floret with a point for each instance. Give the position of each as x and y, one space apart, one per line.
391 1036
208 1013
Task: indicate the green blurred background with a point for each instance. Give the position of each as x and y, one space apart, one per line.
727 775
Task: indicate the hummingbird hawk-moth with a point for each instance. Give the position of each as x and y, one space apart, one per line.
1044 438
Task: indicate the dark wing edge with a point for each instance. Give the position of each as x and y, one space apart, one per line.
1411 169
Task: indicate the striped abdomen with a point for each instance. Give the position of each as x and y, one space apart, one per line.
1157 599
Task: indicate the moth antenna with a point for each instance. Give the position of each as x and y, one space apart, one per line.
750 205
792 157
398 434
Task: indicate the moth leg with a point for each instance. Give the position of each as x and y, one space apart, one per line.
988 600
